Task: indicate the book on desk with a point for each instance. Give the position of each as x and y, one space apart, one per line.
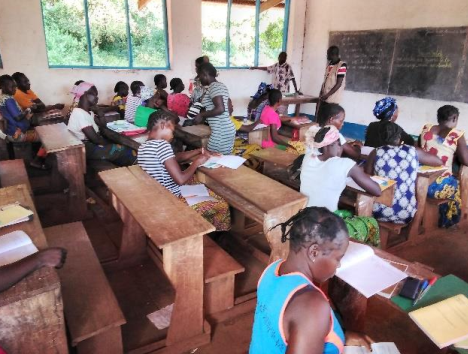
15 246
14 213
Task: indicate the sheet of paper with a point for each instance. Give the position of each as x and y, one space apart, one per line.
194 190
355 253
196 200
230 161
12 214
161 318
463 344
355 350
445 322
367 274
384 348
366 150
260 126
15 246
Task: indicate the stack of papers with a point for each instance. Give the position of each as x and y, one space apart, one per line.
195 193
230 161
15 246
366 272
14 214
125 128
445 322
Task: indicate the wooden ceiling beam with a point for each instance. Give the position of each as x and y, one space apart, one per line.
142 3
269 4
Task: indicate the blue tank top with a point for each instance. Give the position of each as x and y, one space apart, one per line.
274 292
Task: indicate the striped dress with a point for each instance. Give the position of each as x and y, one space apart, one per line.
223 131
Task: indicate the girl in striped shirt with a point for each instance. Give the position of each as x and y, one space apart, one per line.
157 158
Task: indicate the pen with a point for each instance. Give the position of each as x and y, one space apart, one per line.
431 283
423 287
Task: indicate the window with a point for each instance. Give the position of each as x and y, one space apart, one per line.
106 34
252 32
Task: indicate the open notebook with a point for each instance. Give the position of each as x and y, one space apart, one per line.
15 246
366 272
377 348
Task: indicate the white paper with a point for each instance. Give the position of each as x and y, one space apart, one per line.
355 350
122 126
367 273
161 318
196 200
230 161
260 126
366 150
377 348
194 190
15 246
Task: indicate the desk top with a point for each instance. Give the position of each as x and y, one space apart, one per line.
164 217
56 137
133 142
200 130
261 191
299 99
42 280
276 156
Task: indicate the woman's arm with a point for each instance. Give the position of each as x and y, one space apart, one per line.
92 136
407 139
187 155
276 137
297 323
263 68
181 177
352 151
370 163
217 110
462 151
426 158
247 128
364 181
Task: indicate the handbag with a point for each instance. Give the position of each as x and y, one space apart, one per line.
142 115
196 107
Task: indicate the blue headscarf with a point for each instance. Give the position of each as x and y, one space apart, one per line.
385 108
262 89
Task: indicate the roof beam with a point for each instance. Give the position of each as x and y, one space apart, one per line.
269 4
142 3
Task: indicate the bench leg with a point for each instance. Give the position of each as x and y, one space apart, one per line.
422 185
70 165
219 295
183 264
364 205
384 235
431 217
109 341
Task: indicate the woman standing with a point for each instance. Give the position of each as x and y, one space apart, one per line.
446 142
215 101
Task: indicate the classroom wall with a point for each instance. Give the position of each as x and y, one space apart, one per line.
22 46
324 16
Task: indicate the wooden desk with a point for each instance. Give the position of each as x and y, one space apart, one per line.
31 312
195 135
275 164
133 142
258 197
353 305
298 100
463 178
71 162
173 227
303 128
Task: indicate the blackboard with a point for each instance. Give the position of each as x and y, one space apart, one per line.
422 62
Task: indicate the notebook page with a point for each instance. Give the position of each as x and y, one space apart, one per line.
11 214
231 161
355 350
15 246
194 190
196 200
445 322
384 348
355 253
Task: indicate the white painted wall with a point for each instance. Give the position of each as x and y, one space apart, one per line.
22 46
324 16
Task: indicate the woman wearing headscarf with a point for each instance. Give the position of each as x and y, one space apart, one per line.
385 110
323 176
83 125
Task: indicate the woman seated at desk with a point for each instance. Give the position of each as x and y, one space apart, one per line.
156 157
400 163
323 175
385 110
334 114
83 125
293 315
447 142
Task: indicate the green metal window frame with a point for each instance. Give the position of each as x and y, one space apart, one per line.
287 5
129 44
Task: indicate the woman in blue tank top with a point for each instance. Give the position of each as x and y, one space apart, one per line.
293 316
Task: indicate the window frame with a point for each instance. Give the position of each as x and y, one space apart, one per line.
287 5
129 44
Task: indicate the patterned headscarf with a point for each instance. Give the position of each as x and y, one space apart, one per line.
79 90
262 89
332 135
385 108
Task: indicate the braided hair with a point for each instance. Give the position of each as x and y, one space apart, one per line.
327 111
390 133
312 225
159 117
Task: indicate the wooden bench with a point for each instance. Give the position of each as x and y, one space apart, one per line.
220 270
177 233
13 172
91 310
430 220
71 162
31 312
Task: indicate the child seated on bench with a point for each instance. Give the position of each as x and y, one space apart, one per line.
120 98
18 122
157 158
293 315
399 163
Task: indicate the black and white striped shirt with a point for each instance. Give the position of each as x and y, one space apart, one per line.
223 131
151 158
